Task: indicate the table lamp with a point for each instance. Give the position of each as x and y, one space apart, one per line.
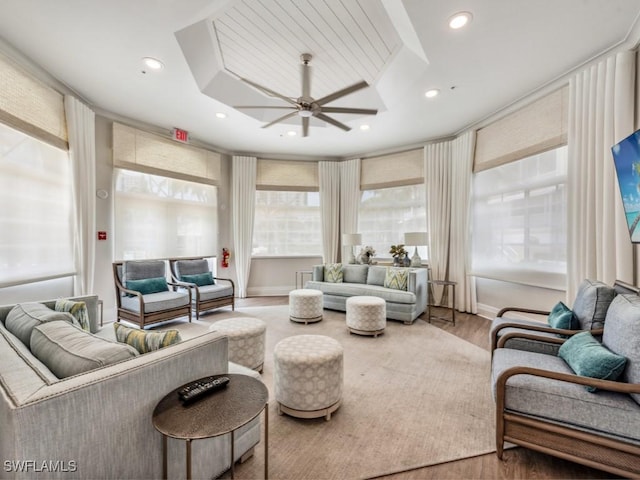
416 239
351 240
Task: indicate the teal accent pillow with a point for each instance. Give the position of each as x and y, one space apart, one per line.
589 358
562 317
333 273
148 285
396 278
200 279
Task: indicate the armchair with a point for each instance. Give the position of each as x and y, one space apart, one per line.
206 290
143 295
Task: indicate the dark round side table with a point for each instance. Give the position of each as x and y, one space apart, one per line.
218 413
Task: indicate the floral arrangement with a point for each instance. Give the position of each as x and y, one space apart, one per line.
398 251
366 254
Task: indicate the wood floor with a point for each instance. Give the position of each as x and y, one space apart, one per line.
517 463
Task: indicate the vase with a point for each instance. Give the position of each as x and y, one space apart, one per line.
397 262
406 261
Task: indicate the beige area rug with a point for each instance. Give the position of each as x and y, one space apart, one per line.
413 397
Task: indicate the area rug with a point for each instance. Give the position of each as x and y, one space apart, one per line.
414 396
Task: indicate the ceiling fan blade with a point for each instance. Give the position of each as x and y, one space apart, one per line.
284 117
332 121
269 92
305 126
269 107
341 93
361 111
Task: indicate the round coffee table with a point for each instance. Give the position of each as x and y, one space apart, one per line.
218 413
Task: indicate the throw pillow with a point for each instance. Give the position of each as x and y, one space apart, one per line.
333 273
77 309
589 358
562 317
24 317
143 341
396 278
200 279
148 285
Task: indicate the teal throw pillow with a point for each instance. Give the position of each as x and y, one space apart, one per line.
396 278
333 273
589 358
148 285
200 279
562 317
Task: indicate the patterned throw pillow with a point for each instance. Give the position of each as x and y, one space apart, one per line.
396 278
200 279
77 309
145 341
333 273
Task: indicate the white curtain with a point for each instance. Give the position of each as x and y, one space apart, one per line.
329 180
601 113
460 241
437 174
349 199
82 151
243 187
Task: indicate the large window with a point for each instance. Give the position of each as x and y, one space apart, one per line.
159 217
287 223
519 220
37 209
386 214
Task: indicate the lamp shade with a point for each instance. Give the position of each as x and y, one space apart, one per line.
351 239
416 239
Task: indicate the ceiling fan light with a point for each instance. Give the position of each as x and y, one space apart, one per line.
305 113
459 20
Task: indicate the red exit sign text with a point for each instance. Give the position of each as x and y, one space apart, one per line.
180 135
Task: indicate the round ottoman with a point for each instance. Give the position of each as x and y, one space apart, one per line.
366 315
308 376
246 340
305 305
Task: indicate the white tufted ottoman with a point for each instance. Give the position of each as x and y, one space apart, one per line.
366 315
305 305
308 376
246 340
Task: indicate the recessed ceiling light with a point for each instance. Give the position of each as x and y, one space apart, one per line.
432 93
153 63
221 115
364 127
459 20
291 133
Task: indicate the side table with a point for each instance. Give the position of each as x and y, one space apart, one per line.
216 414
300 277
445 284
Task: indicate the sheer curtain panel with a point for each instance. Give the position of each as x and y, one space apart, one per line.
329 209
349 199
243 188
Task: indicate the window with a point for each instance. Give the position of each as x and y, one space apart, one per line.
385 214
160 217
37 215
287 223
519 220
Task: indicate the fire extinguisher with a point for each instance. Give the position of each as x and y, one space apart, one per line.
225 257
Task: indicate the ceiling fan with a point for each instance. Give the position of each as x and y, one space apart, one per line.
306 106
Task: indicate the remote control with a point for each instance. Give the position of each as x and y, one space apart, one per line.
200 388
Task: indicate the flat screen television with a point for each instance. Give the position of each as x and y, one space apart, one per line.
626 157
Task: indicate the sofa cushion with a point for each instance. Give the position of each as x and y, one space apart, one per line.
191 267
140 269
353 289
211 292
562 317
333 273
156 302
589 358
591 303
24 317
68 350
148 285
396 278
77 309
376 275
143 341
200 279
355 273
622 335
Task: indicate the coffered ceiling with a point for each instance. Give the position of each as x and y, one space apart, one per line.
402 48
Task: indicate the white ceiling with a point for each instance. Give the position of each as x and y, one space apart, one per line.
400 47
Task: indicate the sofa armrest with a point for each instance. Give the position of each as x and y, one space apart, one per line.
417 283
318 273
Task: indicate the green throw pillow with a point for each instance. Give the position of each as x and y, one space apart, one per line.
562 317
77 309
396 278
589 358
143 341
200 279
333 273
148 285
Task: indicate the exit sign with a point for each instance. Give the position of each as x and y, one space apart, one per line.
180 135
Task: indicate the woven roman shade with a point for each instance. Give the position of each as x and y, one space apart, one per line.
285 175
30 106
393 170
135 149
535 128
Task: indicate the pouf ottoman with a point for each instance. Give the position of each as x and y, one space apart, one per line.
305 305
308 376
366 315
246 340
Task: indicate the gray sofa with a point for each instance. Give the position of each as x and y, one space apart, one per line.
97 424
404 305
